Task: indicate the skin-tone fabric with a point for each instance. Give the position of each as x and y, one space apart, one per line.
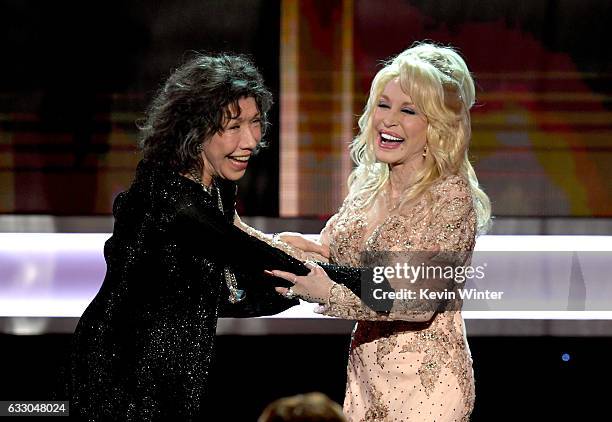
405 366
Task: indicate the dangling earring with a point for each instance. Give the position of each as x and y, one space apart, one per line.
425 151
199 148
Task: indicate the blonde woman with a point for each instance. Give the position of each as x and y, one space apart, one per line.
413 190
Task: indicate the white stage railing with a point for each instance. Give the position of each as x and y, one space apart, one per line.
48 279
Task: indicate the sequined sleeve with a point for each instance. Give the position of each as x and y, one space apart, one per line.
454 224
344 303
205 232
270 240
324 235
447 241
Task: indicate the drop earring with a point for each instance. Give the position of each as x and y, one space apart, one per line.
425 151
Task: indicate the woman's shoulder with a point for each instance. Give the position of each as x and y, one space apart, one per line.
154 176
162 187
451 186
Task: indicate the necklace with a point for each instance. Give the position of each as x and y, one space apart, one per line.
236 294
208 189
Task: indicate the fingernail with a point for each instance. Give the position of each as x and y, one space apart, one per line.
268 272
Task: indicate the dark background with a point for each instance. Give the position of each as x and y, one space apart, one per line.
76 75
71 69
517 378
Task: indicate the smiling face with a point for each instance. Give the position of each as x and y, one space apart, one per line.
401 128
227 153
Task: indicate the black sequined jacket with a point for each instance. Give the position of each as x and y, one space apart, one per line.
142 350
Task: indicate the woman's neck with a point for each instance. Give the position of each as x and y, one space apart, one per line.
403 176
206 178
203 178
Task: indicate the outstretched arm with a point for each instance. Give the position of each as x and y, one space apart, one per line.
447 244
206 232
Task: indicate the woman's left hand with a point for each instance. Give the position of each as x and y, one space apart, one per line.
314 287
300 242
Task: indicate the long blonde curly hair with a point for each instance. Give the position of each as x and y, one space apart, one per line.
441 86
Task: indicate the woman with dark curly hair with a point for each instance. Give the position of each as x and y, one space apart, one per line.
177 259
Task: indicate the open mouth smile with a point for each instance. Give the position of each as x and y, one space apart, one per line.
389 141
239 162
240 159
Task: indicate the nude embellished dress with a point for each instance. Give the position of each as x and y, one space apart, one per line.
405 366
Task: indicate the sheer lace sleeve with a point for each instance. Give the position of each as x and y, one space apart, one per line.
324 235
270 240
444 240
454 224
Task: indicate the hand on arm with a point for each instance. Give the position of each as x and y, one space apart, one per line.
311 250
292 246
299 241
314 287
447 243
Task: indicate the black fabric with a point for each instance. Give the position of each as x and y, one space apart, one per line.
144 347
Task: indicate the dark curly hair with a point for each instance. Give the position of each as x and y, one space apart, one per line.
193 105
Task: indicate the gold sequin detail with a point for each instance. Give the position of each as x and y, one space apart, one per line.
348 234
378 410
388 351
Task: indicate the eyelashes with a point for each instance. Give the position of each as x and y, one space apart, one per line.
237 126
403 110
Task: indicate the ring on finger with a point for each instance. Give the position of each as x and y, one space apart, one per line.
290 293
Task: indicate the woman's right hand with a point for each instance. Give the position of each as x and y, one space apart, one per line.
298 241
314 287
